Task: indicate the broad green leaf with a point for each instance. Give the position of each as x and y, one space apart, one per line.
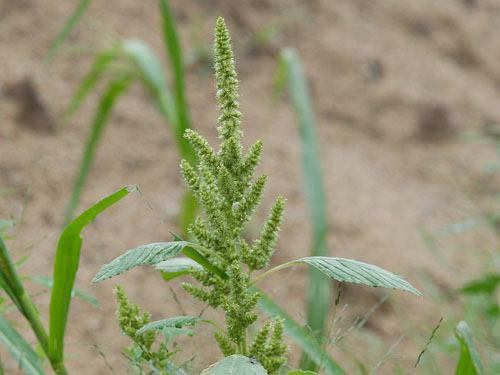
487 284
235 365
170 332
20 350
49 283
301 372
308 343
65 268
200 258
352 271
101 63
176 321
469 362
176 267
106 103
68 27
153 254
319 290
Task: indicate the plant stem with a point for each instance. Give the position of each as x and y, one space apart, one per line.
244 344
31 313
207 251
267 273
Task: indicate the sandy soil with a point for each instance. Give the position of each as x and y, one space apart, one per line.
394 85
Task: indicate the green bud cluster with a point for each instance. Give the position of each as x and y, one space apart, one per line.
269 350
130 321
224 185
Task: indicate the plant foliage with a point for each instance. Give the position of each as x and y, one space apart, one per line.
224 186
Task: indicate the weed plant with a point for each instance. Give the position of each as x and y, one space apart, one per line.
226 268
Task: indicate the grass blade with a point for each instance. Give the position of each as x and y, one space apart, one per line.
176 61
68 27
113 91
20 350
319 291
304 339
172 107
65 268
49 283
469 362
101 63
151 73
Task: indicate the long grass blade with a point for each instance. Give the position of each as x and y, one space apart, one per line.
101 63
20 350
174 52
176 61
65 268
307 342
68 27
106 103
150 71
49 283
319 291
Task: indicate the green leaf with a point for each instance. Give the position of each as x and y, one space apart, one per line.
301 372
153 254
308 343
176 321
171 332
49 283
152 75
68 27
9 279
235 365
487 285
20 350
106 103
174 54
352 271
319 290
65 268
469 362
176 267
11 283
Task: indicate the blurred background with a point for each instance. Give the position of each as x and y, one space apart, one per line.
406 99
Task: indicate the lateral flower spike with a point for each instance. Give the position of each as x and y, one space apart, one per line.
227 83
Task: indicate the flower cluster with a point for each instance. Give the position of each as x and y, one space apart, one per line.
224 185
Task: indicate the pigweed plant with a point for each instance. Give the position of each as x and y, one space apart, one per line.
222 262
